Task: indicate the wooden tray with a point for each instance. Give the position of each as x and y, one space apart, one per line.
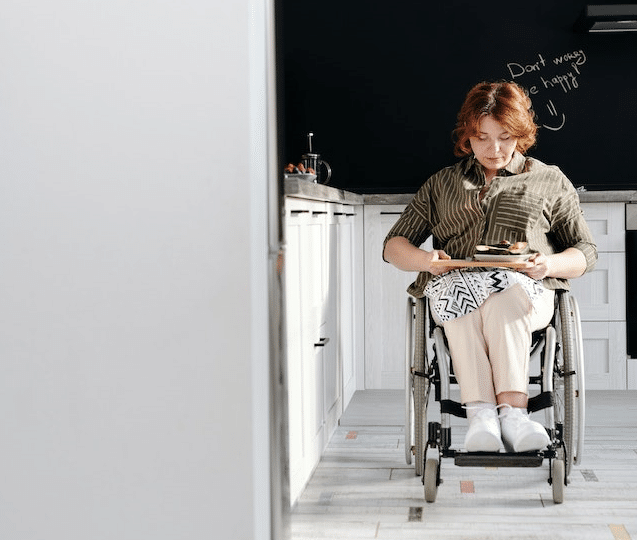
462 263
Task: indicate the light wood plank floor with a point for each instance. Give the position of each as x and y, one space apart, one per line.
363 487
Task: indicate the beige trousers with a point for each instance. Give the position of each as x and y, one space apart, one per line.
490 347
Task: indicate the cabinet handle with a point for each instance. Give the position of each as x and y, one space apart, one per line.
322 342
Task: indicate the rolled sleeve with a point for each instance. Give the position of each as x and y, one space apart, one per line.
570 228
590 253
414 223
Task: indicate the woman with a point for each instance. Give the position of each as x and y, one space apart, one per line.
494 194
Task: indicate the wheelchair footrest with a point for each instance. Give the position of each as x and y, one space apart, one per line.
498 459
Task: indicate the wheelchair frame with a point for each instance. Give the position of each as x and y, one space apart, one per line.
559 349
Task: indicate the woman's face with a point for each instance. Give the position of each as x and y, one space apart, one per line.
493 146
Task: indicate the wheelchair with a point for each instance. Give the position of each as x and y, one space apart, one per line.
558 389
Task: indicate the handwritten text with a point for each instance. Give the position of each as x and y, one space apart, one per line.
543 73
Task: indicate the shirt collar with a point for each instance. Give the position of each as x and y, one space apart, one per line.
515 166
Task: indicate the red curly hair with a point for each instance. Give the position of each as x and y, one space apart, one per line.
507 103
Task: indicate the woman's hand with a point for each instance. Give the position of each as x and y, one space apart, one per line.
437 255
568 264
405 256
541 267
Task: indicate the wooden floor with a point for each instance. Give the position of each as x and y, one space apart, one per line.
363 487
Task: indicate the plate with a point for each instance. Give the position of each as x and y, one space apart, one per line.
485 257
301 176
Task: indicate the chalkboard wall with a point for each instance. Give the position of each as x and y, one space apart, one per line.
380 83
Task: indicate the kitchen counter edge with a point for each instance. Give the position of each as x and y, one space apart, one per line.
318 192
304 189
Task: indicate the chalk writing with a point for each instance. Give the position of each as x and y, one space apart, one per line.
517 70
578 56
553 112
543 73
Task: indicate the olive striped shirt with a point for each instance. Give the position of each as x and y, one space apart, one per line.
527 201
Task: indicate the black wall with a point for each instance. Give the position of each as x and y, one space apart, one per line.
380 83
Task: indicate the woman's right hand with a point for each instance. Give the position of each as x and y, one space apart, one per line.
434 256
405 256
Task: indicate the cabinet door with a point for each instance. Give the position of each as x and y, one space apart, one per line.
350 300
294 351
601 293
385 302
329 334
305 319
311 224
607 223
605 358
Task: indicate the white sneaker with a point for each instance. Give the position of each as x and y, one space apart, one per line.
484 432
520 433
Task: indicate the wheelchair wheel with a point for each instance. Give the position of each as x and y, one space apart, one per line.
580 390
568 383
409 381
558 478
421 386
416 387
431 479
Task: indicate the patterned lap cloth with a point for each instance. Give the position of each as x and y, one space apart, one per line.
458 293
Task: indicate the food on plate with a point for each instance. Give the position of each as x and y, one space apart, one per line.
503 248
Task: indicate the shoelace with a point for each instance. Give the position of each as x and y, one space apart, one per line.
478 409
508 408
503 410
512 418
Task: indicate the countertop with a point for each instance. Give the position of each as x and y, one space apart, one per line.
319 192
304 189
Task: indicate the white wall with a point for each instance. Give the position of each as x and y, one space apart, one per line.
127 256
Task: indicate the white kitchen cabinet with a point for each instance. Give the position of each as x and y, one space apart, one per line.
302 326
323 284
601 295
605 354
607 222
350 253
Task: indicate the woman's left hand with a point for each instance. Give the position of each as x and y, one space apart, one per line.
541 267
568 264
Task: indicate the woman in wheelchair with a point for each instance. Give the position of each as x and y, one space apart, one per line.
494 196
